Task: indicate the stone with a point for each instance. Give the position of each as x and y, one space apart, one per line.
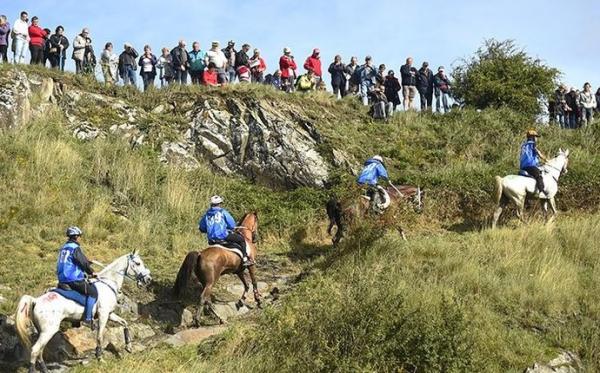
159 109
193 336
178 154
15 105
46 91
566 362
187 318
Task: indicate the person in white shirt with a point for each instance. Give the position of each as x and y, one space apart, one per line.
216 56
20 34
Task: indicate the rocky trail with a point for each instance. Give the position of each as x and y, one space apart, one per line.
155 318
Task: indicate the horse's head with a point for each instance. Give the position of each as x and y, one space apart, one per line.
248 226
564 153
137 270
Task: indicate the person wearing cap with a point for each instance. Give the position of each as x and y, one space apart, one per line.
288 67
72 267
373 170
216 56
392 88
441 85
180 61
57 53
20 35
80 42
337 69
425 86
350 69
37 40
230 53
408 73
109 61
219 225
127 64
197 61
313 63
257 67
587 103
530 158
366 75
560 105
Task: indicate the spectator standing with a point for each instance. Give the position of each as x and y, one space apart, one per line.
79 44
57 54
165 67
216 56
109 62
350 68
229 53
441 85
147 64
257 67
367 76
598 100
128 64
571 115
306 83
425 86
180 60
46 47
392 88
380 78
560 105
210 76
4 33
338 76
20 35
587 102
37 41
313 63
242 58
409 83
288 67
197 62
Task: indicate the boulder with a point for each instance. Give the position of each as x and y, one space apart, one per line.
258 141
566 362
15 105
178 154
193 336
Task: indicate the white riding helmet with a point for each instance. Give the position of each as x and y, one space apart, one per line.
378 158
216 200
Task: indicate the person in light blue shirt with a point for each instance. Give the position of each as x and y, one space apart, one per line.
219 225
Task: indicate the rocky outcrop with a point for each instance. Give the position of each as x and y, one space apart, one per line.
566 362
15 95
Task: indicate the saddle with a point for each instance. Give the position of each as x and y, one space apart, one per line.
65 291
525 174
229 246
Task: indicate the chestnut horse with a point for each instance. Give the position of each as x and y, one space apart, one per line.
214 261
343 214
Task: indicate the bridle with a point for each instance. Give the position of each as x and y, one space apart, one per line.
253 230
561 170
138 278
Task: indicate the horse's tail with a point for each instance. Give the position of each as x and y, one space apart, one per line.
185 272
23 319
334 213
499 190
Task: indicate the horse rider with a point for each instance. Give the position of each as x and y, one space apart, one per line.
374 169
72 267
530 159
219 225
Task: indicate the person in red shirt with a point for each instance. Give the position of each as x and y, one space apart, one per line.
209 76
288 67
313 63
37 37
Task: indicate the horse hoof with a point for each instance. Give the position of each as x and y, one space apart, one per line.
128 348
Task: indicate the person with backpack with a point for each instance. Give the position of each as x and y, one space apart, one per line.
441 84
128 64
338 76
197 61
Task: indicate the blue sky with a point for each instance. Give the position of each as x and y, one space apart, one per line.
563 34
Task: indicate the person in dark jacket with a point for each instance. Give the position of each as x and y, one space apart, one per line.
338 76
230 53
127 64
380 78
71 269
408 74
180 63
425 86
392 88
242 58
350 68
147 65
441 84
560 105
57 54
598 100
571 114
4 37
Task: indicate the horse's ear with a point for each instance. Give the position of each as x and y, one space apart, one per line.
567 153
560 151
135 251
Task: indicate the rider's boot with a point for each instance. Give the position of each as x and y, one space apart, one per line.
247 262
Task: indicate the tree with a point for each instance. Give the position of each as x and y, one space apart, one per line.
501 74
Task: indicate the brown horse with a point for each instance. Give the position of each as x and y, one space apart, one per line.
343 214
214 261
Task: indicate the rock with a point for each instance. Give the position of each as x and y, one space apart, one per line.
15 105
226 310
257 140
193 336
178 154
86 132
46 91
2 299
187 318
10 346
566 362
159 109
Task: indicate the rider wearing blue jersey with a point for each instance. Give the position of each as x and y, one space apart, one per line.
71 269
219 225
373 170
530 159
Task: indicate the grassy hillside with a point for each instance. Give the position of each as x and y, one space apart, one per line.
475 301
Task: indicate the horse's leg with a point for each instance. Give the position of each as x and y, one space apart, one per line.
520 202
37 350
553 208
123 323
544 203
102 321
252 270
242 277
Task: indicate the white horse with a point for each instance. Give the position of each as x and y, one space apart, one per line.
515 188
47 311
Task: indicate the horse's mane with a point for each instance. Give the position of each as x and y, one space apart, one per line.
245 216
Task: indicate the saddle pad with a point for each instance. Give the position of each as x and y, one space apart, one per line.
72 295
238 252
